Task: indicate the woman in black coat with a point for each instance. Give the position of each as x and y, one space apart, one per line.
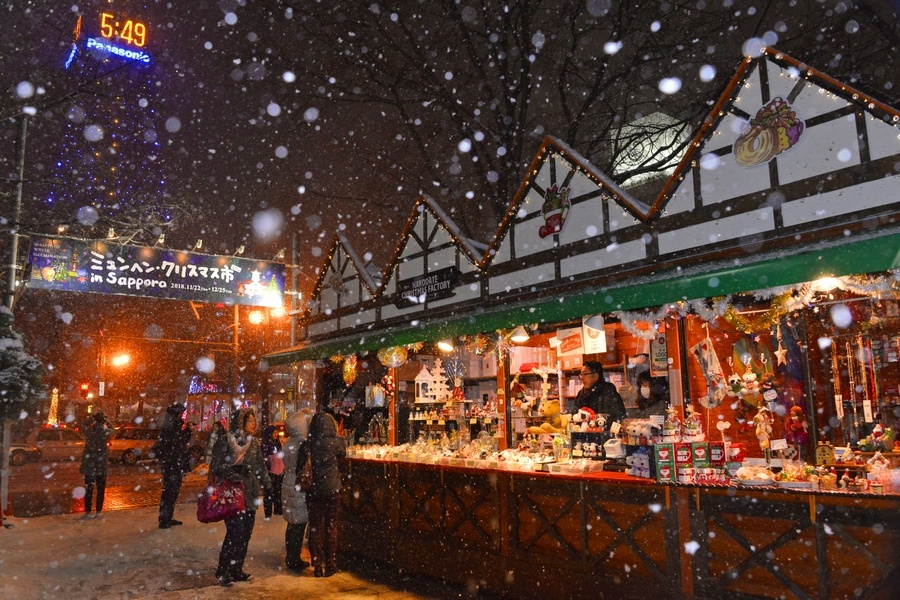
94 461
324 497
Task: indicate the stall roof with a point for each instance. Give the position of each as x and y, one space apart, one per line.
868 255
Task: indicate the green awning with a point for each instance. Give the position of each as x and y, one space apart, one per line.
741 275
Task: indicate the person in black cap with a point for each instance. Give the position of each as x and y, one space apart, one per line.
94 461
171 452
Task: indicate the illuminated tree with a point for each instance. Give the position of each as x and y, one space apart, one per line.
453 98
21 388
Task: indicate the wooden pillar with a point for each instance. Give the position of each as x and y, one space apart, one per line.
393 409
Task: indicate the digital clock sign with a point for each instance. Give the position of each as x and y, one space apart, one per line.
120 36
125 30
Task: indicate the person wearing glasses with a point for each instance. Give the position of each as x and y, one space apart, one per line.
598 394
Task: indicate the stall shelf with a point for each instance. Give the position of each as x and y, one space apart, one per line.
527 535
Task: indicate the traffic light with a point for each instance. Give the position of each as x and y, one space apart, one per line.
84 388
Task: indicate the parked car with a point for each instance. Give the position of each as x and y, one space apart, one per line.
130 443
22 452
56 444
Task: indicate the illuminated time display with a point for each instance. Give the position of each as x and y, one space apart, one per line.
127 30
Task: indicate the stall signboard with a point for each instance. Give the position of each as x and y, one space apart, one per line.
434 285
659 356
594 338
102 267
570 342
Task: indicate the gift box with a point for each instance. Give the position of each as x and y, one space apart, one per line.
717 454
683 454
700 454
665 454
665 473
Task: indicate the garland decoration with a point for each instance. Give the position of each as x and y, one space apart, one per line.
784 300
781 305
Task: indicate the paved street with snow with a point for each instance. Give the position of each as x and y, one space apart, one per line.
125 555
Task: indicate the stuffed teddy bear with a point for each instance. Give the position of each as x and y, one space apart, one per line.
750 388
553 421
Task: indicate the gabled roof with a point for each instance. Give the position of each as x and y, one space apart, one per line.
343 261
427 203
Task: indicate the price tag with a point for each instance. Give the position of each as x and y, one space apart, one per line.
577 453
428 421
615 427
658 420
473 421
441 422
487 420
770 395
778 444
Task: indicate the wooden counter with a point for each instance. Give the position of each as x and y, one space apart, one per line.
607 535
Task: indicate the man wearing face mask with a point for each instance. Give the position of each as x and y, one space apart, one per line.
653 396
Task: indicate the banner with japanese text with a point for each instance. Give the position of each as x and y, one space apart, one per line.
105 268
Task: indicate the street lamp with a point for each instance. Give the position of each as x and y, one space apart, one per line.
264 317
118 361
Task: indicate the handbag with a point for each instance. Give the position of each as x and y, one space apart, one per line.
220 499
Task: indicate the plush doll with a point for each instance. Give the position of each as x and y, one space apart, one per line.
645 433
750 388
797 428
767 387
553 421
581 420
734 385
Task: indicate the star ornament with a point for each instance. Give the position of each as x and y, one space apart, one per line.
781 353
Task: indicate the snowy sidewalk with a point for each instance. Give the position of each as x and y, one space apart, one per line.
125 555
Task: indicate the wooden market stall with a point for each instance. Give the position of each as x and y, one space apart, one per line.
757 284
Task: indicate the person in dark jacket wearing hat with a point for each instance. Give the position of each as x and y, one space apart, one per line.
171 452
324 497
95 461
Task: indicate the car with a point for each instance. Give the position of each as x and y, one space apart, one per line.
55 443
22 452
130 443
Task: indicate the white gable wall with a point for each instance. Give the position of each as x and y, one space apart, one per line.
884 139
828 147
856 199
714 232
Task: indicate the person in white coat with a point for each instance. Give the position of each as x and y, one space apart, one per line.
293 496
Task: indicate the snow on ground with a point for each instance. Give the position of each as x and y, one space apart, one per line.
125 555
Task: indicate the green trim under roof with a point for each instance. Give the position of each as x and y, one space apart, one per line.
862 256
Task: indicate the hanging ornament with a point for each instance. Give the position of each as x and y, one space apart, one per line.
388 383
478 344
350 369
780 351
393 356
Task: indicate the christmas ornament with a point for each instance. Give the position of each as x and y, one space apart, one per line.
349 369
394 356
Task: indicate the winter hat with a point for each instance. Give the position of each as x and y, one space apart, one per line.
297 425
99 416
175 408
